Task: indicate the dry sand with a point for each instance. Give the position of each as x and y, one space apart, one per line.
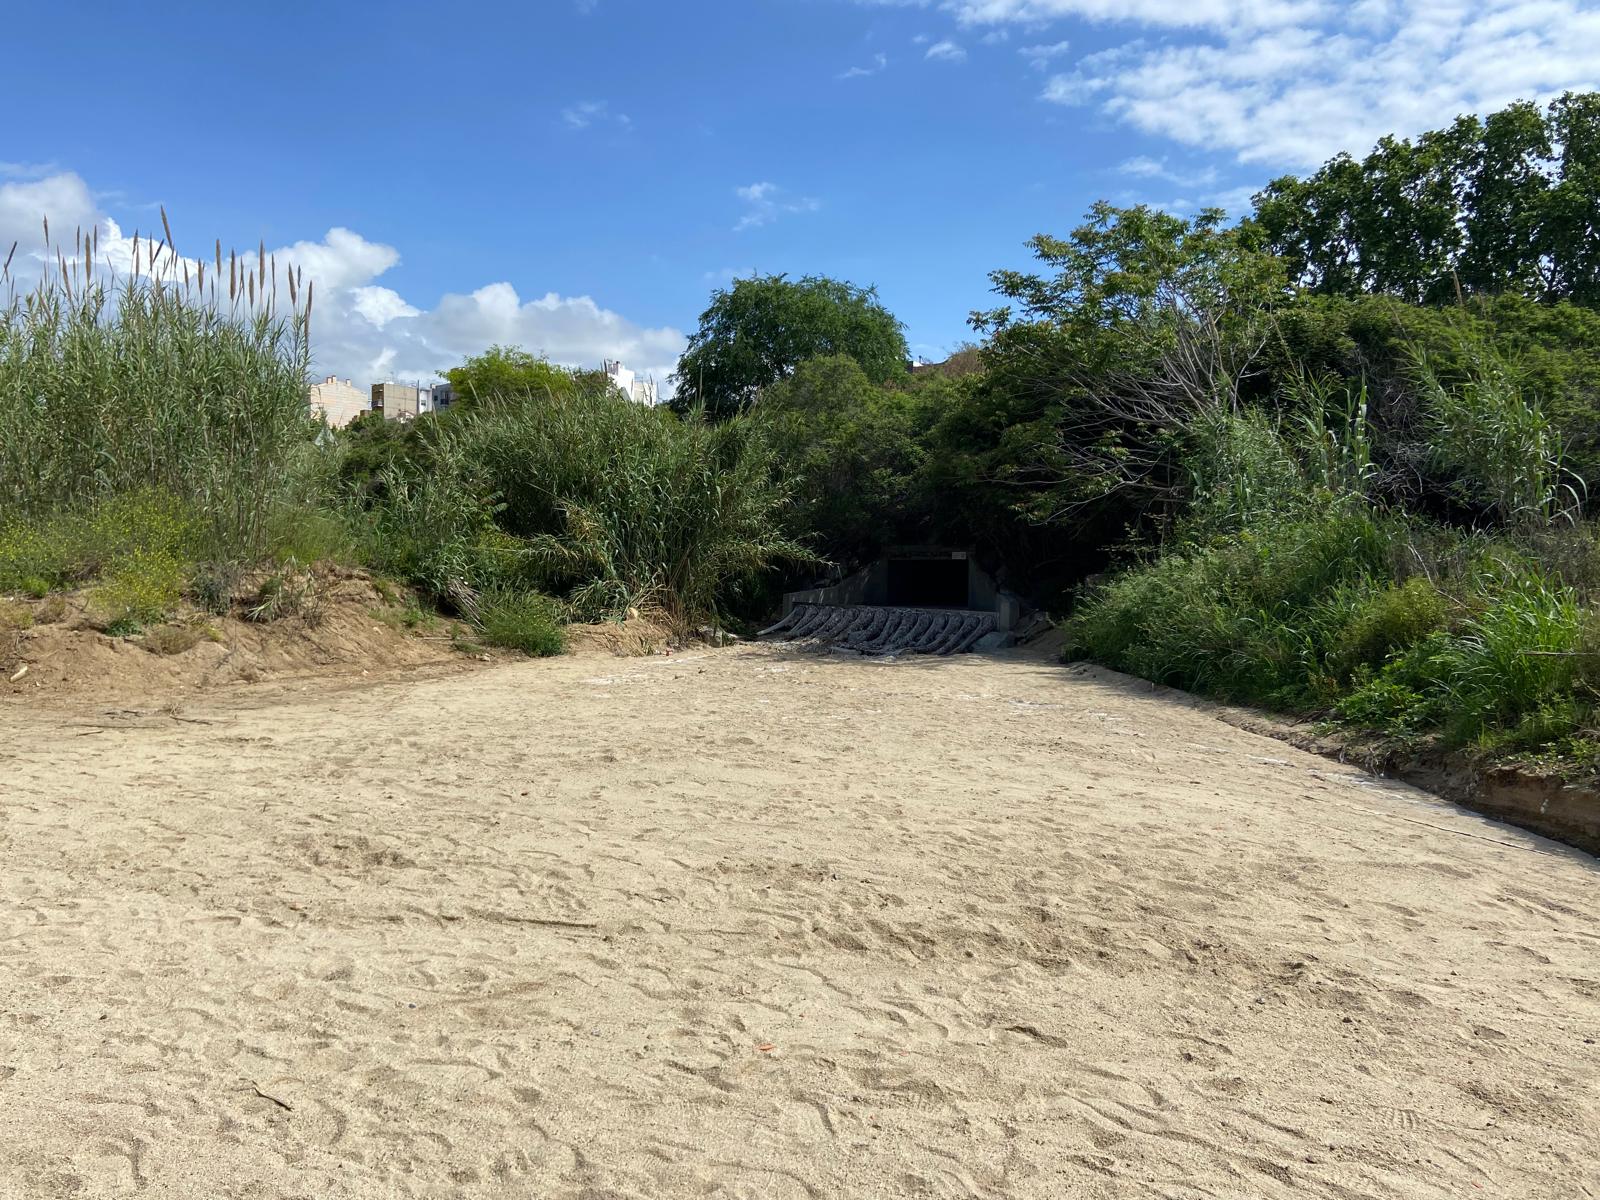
764 924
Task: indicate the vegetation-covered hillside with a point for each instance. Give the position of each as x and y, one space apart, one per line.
1337 457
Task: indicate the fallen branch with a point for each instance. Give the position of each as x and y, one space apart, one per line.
283 1104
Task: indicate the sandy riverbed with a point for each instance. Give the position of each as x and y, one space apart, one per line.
764 924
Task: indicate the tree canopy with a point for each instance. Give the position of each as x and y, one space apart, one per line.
1509 203
510 372
759 330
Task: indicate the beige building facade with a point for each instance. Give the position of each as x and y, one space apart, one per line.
397 401
338 400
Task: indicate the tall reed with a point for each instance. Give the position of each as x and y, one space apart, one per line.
619 504
152 373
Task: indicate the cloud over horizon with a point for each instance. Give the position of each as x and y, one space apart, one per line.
1289 83
361 329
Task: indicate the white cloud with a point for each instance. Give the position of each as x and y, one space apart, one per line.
65 199
586 113
23 170
765 202
1172 14
728 274
1145 167
946 52
879 62
1297 92
361 329
1039 57
380 305
1235 201
1291 82
342 260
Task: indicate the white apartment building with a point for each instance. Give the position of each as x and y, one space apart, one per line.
630 385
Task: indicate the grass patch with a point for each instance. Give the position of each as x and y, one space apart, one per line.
14 615
70 546
1482 647
404 613
308 534
525 621
179 637
112 384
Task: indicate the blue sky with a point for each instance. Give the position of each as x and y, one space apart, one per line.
577 175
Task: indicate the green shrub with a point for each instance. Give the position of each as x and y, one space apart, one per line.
290 591
32 555
1491 433
1507 678
1252 617
583 494
68 546
1384 705
427 525
141 589
1241 471
1407 696
179 638
212 585
1513 660
1389 620
525 621
624 505
15 616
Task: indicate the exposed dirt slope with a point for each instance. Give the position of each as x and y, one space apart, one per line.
760 924
352 630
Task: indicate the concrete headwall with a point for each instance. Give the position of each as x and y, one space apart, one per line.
870 586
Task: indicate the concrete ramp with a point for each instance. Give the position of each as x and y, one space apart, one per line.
882 629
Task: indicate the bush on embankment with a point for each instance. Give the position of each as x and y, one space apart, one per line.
155 444
584 495
1388 625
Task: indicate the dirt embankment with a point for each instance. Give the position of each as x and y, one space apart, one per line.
54 650
341 626
1538 798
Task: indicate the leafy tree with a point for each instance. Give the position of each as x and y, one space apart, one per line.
1143 321
853 450
373 448
512 373
1507 204
1506 199
759 330
1571 219
1135 269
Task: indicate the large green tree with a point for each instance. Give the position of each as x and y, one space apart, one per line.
853 450
759 330
1506 204
1129 326
513 374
